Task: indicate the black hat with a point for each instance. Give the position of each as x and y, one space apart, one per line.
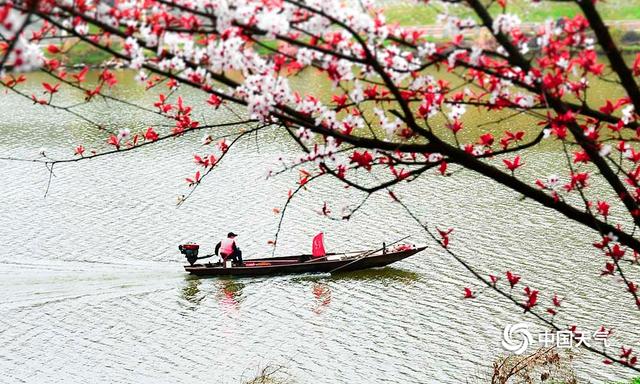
231 234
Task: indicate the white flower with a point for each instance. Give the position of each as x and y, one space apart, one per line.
305 135
141 76
505 23
478 150
453 57
563 63
525 101
357 94
273 22
605 150
589 43
82 28
124 134
627 114
177 64
427 49
552 180
590 130
457 110
475 55
26 56
435 157
263 93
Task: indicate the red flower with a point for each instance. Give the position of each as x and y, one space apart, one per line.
580 157
609 107
445 236
513 278
363 159
486 139
80 76
214 100
195 180
151 135
616 252
53 49
48 88
532 298
455 126
371 92
340 100
514 136
603 208
108 77
609 268
626 353
468 294
113 140
513 165
636 65
443 167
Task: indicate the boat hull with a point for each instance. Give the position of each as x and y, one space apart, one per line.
282 266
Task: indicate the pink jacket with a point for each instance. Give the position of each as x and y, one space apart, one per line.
226 246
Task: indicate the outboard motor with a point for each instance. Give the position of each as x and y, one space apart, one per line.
190 251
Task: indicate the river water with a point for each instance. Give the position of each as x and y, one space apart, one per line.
93 289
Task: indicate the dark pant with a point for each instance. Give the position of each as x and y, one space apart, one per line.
235 256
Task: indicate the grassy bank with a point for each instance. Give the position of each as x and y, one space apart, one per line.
409 14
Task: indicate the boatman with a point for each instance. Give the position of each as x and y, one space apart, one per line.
229 249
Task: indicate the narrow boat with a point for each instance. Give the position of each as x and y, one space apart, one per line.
329 263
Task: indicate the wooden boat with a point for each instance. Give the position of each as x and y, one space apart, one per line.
332 262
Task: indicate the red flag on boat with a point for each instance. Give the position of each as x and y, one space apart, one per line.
318 245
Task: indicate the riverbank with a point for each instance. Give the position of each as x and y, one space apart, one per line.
412 14
626 34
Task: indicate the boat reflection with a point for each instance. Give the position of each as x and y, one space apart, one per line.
229 293
322 295
191 292
386 274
